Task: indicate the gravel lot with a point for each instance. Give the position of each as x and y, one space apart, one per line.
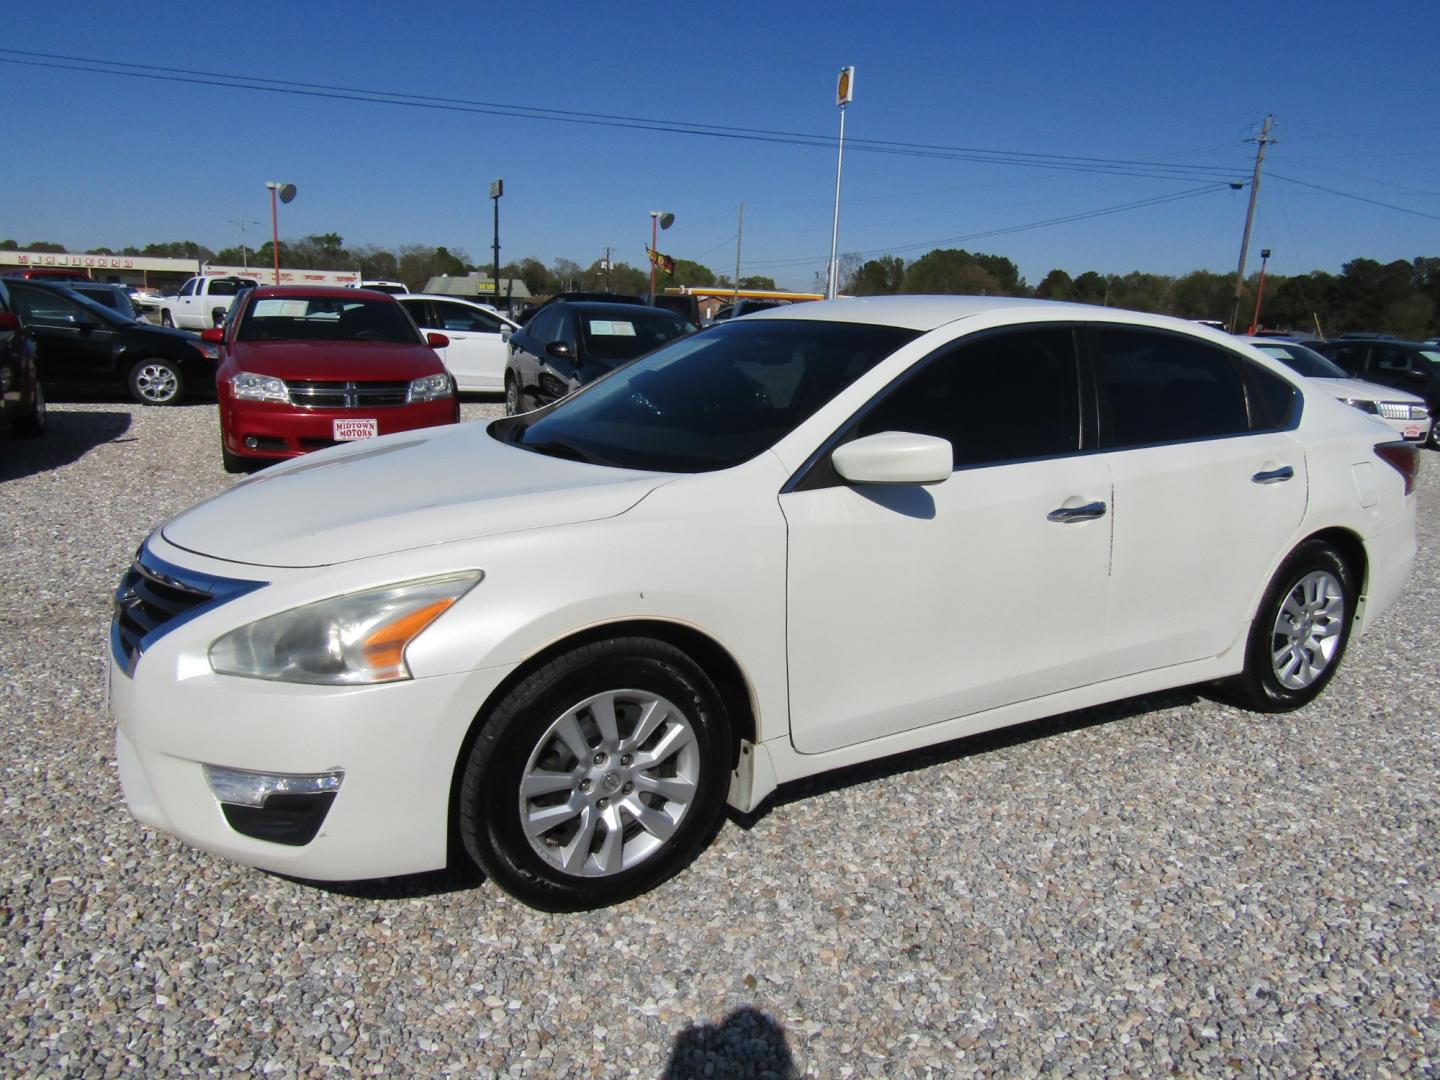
1166 885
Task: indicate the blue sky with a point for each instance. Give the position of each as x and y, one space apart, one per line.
98 159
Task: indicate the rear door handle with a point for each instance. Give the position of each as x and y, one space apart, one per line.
1274 476
1086 512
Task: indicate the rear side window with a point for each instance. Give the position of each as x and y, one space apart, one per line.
1006 397
1162 388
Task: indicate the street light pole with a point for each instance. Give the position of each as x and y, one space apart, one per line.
664 219
244 250
497 188
1260 292
285 192
844 92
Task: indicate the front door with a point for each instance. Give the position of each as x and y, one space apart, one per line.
912 605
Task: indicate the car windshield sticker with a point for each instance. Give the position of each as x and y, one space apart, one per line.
612 328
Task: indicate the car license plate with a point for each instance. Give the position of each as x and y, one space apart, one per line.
350 430
1413 431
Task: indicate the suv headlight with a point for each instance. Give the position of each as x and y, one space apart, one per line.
346 640
430 388
1363 405
251 387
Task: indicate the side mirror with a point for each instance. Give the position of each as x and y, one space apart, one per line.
436 341
895 457
561 350
10 321
214 335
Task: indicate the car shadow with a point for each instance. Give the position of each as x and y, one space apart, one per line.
746 1044
959 749
68 437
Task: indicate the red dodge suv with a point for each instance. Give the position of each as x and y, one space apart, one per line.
303 368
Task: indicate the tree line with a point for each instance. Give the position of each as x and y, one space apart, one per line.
1400 297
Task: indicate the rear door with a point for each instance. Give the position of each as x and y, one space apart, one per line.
478 348
72 343
1209 488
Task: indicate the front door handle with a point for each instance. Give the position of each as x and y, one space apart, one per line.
1085 512
1274 476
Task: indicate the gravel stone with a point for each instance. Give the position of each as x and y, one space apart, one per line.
1164 885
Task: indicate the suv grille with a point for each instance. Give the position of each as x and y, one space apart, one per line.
154 597
348 395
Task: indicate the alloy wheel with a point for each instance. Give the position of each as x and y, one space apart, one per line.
156 383
1308 629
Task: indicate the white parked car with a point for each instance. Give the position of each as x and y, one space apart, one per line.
1403 412
801 540
479 338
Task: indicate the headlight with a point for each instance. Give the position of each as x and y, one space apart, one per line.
1363 405
248 386
207 349
430 388
343 641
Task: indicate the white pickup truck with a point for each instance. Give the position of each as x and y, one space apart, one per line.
202 301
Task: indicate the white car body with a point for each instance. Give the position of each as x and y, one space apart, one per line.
201 299
1402 412
859 621
479 337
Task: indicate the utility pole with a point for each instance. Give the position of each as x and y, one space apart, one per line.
1264 141
497 189
739 233
844 94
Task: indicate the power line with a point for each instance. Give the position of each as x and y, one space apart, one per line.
1357 198
1065 162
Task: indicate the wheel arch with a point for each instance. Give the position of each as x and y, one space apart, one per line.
713 658
1352 550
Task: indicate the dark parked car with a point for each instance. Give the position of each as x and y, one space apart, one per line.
1408 365
22 402
115 297
82 342
304 367
571 343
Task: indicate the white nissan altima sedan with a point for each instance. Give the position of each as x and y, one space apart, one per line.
815 536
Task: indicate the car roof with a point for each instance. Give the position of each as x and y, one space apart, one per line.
926 313
303 292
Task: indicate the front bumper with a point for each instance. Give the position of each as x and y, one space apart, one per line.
262 429
396 746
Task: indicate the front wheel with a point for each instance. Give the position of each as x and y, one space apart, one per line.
512 396
156 382
1300 631
599 776
166 320
33 424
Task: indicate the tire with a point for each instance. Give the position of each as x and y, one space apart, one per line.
613 807
1300 631
1433 439
156 382
166 320
234 463
33 426
512 396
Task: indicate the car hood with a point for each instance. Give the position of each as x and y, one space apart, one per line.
1367 391
327 360
407 490
149 332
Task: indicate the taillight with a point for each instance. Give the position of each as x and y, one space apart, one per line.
1403 457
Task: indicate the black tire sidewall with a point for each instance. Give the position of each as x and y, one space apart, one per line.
489 805
1259 683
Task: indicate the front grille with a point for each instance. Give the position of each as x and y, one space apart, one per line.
154 597
348 395
1402 410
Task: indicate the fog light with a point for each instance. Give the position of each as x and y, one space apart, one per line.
240 787
251 442
283 808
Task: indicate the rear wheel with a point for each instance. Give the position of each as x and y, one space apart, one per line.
1300 631
33 424
166 320
597 777
156 382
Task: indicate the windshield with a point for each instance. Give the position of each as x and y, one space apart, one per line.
1306 361
711 400
326 318
613 340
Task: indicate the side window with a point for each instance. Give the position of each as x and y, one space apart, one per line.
416 309
1006 397
566 332
188 289
1164 388
1386 358
223 288
459 317
1349 357
1274 398
46 307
